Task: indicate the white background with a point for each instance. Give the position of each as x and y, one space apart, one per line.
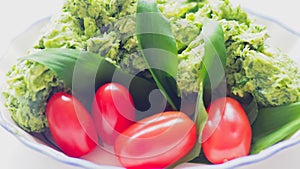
18 15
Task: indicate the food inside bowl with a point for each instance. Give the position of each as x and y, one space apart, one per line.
94 70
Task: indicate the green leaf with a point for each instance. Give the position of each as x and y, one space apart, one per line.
249 104
85 72
214 62
158 47
274 125
200 119
251 108
214 56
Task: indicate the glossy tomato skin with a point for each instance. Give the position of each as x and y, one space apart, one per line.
227 134
70 124
113 111
157 141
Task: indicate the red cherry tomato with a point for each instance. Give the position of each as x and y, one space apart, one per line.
227 134
113 111
70 124
156 141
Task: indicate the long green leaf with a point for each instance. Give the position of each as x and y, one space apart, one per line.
200 119
214 62
84 72
249 104
274 125
214 56
158 48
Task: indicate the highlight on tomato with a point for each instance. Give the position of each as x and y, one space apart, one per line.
113 111
71 125
227 134
157 141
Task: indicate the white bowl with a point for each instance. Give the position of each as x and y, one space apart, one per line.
282 37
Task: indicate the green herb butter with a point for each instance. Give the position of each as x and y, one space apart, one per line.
107 27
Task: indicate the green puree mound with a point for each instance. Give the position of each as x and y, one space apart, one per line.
107 28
